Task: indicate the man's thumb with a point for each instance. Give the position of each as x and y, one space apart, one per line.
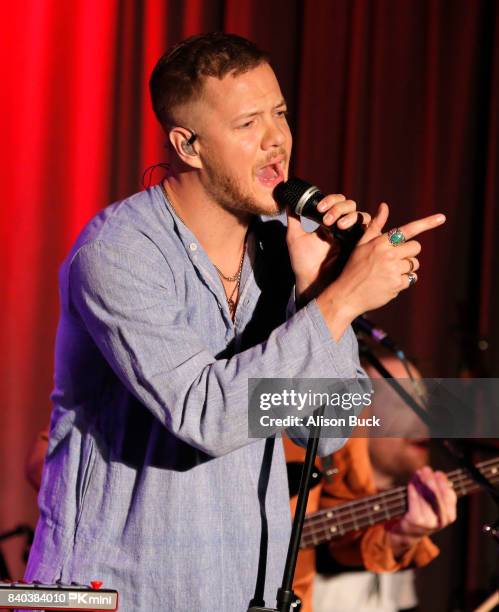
375 227
295 230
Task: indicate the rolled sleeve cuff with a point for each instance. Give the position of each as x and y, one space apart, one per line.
344 352
377 554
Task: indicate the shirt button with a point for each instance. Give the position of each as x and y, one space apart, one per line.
193 246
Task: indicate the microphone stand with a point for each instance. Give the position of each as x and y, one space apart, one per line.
286 600
450 446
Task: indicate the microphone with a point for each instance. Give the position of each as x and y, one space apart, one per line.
303 198
363 324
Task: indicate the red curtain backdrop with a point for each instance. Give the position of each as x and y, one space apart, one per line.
391 100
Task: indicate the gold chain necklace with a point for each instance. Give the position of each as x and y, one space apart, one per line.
229 279
232 304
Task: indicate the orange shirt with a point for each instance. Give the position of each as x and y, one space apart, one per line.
369 547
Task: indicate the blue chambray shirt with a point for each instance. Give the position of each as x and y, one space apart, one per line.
151 483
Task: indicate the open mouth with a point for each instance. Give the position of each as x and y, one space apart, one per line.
271 174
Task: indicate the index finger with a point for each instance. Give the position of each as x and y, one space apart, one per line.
421 225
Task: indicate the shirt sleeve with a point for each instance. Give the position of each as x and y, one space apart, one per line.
377 553
128 305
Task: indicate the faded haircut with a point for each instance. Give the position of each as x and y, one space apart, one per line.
179 75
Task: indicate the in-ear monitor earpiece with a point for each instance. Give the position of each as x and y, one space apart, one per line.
187 147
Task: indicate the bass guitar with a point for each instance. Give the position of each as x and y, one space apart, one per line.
330 523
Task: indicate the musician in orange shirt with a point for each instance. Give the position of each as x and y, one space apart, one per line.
364 467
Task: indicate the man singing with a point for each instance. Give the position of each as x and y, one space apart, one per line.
170 301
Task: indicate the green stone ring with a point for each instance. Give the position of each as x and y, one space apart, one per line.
396 237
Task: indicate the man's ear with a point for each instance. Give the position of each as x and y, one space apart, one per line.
183 142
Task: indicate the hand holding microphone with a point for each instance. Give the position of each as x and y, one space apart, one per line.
315 256
308 201
378 267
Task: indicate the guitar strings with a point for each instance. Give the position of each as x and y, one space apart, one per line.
397 504
322 527
389 502
456 475
395 499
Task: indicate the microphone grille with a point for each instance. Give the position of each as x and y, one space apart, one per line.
290 192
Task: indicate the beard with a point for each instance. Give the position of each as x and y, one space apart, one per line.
224 189
400 464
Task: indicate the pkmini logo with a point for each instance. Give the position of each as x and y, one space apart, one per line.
96 599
